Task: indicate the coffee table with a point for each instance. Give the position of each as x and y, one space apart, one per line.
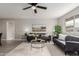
38 43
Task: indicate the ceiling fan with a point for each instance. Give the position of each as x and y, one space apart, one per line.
34 6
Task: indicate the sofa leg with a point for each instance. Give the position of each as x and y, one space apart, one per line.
66 53
78 53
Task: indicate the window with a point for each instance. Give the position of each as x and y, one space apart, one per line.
77 22
72 24
69 24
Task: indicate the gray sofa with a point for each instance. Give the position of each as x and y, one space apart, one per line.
69 45
72 44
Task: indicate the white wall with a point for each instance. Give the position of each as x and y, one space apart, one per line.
22 24
61 20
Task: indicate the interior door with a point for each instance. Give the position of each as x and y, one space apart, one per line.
10 30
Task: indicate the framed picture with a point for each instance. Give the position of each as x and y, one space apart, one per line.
38 28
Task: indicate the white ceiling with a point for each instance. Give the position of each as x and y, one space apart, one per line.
54 10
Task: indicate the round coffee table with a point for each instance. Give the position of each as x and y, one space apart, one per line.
38 43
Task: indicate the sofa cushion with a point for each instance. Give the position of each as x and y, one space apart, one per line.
62 37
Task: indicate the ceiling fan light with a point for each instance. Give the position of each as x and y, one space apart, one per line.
33 7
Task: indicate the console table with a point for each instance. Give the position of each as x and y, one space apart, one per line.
0 38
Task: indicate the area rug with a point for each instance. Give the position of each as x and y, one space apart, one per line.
25 49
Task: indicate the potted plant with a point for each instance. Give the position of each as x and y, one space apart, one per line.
58 30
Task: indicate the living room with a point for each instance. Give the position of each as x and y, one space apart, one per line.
24 28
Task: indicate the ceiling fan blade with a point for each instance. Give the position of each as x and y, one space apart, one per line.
41 7
27 8
35 11
33 4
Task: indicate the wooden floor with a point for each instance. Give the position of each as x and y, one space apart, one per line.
8 45
25 49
